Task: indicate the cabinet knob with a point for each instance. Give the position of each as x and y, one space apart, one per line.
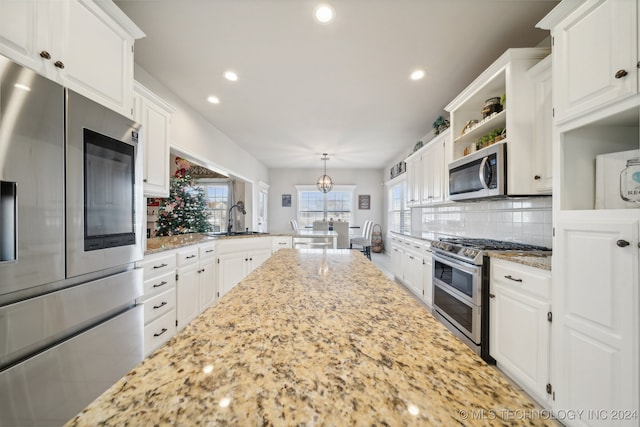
144 180
59 64
537 177
492 295
622 243
44 54
621 73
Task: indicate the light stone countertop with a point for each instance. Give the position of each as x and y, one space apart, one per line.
313 338
532 259
165 243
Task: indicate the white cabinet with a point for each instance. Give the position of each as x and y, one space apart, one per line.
188 286
207 274
239 257
595 54
281 242
426 172
396 256
506 76
520 330
596 341
159 299
84 45
412 276
427 279
154 114
540 76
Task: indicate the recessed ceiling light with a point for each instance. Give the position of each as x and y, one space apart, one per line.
417 75
231 76
213 99
324 13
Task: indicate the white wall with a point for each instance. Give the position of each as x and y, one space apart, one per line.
283 181
193 135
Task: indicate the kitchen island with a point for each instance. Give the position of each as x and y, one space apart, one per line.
313 338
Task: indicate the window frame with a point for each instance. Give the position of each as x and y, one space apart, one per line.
336 188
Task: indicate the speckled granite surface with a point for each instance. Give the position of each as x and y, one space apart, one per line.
532 259
165 243
313 338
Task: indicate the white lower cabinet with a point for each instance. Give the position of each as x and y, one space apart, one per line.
396 258
281 242
237 258
159 299
427 278
520 330
207 275
412 277
188 294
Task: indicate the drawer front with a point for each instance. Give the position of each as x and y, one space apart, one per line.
159 284
534 281
159 305
281 243
187 257
207 251
159 331
155 266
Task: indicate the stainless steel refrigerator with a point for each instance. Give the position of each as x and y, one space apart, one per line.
70 233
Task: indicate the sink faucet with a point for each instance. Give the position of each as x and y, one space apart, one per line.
240 206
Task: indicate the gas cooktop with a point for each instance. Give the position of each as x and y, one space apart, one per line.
472 250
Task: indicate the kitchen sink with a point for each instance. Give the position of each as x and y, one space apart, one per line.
235 233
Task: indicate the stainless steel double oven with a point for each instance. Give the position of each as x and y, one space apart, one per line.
70 233
461 287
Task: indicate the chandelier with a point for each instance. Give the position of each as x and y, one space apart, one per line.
324 183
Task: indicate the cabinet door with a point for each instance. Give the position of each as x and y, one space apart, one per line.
413 273
396 262
427 279
257 258
520 338
96 54
155 120
187 293
542 126
19 29
207 277
231 270
413 178
596 310
436 186
593 48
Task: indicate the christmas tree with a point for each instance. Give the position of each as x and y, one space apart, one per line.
185 211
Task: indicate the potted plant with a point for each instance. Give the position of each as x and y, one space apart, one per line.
440 125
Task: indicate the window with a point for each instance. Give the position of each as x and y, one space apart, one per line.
217 194
314 205
399 214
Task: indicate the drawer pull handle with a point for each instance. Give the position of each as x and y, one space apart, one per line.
190 256
155 307
620 74
537 177
622 243
201 270
159 266
512 278
209 251
282 243
157 285
160 333
416 246
44 54
492 295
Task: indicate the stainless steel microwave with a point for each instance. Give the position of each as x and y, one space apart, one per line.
479 175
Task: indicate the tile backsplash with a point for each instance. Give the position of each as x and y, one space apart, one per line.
524 220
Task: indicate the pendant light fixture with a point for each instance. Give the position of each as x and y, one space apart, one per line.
324 183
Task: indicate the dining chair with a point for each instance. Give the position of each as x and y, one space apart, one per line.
364 241
294 225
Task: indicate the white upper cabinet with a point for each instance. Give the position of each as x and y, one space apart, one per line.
595 56
154 115
507 77
540 75
426 172
84 45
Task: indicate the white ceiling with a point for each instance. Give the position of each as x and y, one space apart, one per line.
341 88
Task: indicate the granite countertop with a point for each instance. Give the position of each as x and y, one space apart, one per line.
165 243
532 259
313 338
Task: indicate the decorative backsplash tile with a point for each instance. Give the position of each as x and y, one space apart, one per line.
521 220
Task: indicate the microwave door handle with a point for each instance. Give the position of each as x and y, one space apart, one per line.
483 165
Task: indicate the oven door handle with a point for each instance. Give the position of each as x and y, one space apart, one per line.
459 265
